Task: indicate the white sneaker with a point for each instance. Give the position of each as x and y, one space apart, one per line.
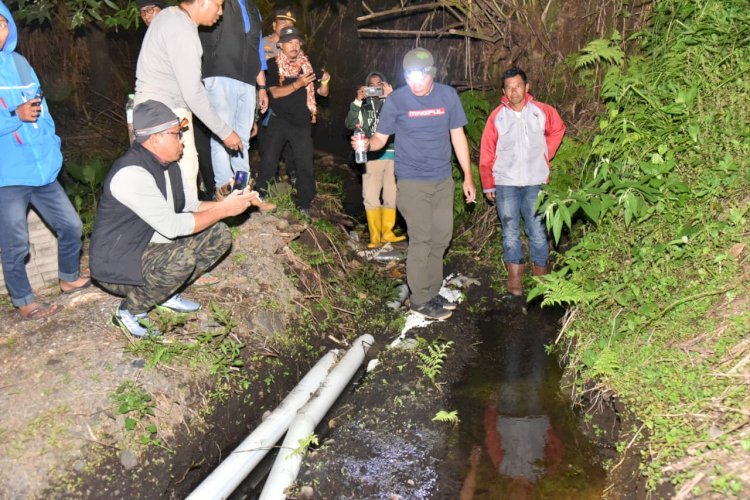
137 325
180 304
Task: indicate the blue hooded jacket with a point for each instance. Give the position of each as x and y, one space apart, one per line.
29 152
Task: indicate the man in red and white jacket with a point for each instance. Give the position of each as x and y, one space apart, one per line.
519 139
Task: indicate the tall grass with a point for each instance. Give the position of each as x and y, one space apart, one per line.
661 213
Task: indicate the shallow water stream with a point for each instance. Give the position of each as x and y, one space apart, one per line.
518 437
516 427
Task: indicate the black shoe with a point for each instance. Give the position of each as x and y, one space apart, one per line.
432 310
445 303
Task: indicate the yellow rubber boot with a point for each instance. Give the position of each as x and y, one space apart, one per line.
373 225
389 221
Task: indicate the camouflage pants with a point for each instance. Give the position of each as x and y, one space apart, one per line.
168 267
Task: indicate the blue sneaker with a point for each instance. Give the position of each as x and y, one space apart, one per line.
180 304
137 325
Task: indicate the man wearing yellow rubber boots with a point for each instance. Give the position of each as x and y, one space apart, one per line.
379 171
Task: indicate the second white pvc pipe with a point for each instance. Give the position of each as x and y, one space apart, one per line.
233 470
287 464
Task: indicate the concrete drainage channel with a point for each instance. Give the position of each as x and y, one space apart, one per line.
297 416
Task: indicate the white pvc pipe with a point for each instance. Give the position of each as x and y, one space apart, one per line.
286 467
235 468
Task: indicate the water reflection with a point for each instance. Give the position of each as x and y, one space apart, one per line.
519 437
526 444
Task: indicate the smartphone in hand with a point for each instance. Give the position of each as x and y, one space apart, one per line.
39 95
240 180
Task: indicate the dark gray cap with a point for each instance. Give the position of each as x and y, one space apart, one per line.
289 34
151 3
152 117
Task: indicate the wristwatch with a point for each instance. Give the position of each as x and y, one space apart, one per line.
261 87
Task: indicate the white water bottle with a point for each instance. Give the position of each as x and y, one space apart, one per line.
129 117
360 152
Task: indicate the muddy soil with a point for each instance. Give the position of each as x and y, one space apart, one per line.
59 375
383 440
62 435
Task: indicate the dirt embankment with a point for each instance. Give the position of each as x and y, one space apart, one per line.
73 385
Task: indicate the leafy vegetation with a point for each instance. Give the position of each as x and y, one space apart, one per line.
660 218
450 417
111 13
304 444
434 358
139 409
87 178
217 350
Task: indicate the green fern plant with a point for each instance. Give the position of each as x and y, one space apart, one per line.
605 364
446 416
432 361
476 107
558 290
601 50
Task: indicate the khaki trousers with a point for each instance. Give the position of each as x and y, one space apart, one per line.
427 207
379 176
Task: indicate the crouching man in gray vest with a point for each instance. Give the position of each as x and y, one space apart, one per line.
149 242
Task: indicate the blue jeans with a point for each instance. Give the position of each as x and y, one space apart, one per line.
512 203
55 209
234 102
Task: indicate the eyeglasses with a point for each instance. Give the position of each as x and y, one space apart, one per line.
178 134
147 11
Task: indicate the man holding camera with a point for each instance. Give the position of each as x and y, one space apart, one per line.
29 164
150 238
379 174
293 85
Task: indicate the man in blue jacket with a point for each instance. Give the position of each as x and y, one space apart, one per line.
29 164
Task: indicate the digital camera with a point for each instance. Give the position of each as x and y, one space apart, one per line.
373 91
